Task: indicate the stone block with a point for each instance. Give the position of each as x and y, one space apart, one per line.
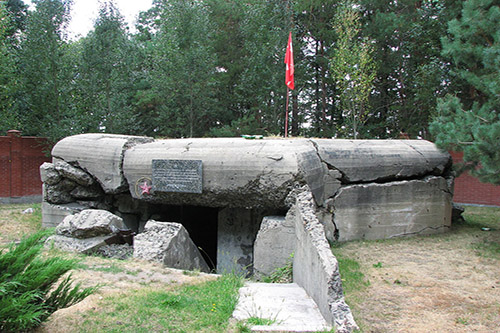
274 245
168 243
378 211
52 215
101 155
90 223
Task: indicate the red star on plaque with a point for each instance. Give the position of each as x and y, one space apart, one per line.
145 188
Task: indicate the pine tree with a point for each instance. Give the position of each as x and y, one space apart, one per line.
105 81
44 77
469 121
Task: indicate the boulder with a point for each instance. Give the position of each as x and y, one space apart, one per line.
168 243
90 223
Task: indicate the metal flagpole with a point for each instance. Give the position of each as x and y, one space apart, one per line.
286 112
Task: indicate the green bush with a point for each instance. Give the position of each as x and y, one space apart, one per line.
27 296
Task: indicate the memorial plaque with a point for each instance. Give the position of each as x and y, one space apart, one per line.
177 176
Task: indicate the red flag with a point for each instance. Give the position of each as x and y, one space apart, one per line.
289 64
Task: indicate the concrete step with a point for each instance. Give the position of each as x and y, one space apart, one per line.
287 305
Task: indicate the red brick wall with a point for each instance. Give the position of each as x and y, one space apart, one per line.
469 190
20 160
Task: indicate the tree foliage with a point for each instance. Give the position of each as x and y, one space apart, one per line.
353 68
215 68
469 120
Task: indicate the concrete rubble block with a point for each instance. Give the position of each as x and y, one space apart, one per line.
72 173
274 245
101 155
87 192
52 215
70 244
48 174
168 243
236 172
59 193
378 211
90 223
369 160
315 268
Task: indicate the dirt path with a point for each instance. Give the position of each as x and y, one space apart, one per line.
433 284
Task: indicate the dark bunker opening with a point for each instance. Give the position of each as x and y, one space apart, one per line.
200 222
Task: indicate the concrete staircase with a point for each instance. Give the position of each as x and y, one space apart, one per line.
287 305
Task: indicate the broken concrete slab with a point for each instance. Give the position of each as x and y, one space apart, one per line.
370 160
168 243
314 266
274 245
90 223
287 305
52 215
99 154
74 174
71 244
380 211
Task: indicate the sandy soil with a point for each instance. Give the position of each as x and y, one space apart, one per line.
433 284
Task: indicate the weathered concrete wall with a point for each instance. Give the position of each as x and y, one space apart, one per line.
315 268
236 232
379 211
274 245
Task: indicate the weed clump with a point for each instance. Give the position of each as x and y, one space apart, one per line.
27 296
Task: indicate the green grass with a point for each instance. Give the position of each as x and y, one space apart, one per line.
350 271
192 308
485 222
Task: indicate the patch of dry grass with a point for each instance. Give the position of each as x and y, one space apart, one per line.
14 224
439 283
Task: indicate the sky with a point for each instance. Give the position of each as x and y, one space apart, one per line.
84 12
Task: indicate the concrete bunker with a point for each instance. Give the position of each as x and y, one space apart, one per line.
307 191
